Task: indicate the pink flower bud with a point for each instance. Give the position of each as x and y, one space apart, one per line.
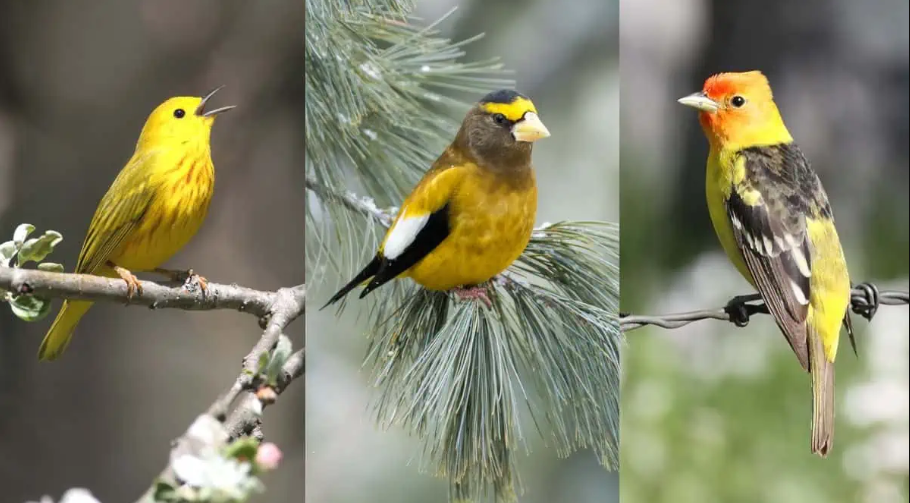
268 456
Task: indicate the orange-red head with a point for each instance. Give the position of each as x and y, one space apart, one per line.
737 110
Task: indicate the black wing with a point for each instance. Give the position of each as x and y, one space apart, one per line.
383 270
771 233
434 232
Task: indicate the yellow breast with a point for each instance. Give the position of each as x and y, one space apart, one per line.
183 192
722 173
491 220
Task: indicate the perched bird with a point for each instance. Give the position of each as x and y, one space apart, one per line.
473 212
774 221
153 208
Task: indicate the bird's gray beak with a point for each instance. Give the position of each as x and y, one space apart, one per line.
200 110
700 101
530 128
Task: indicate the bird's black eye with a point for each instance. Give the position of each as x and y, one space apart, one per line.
738 101
500 119
179 113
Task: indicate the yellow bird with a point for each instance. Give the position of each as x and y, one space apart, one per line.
153 208
774 221
473 212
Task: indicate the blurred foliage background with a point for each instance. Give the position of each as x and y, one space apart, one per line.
570 70
77 81
712 413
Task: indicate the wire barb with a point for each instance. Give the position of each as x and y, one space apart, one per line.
865 299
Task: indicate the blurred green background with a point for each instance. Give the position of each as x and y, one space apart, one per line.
77 81
570 70
712 413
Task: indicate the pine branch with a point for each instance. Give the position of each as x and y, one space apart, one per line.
375 113
379 109
457 373
865 300
365 206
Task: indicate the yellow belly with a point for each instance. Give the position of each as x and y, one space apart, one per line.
173 218
491 225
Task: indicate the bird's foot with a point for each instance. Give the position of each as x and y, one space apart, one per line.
740 310
865 303
189 278
478 292
133 286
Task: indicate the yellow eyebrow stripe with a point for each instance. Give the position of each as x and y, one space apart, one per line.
513 111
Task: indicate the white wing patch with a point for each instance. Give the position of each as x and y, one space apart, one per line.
798 294
402 234
801 263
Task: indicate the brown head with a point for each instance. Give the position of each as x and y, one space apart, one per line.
499 130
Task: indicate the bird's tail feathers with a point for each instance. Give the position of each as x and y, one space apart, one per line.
822 372
368 272
58 337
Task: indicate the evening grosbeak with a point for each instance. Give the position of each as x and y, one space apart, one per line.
473 212
774 221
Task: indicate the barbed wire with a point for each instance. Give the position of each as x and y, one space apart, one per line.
865 300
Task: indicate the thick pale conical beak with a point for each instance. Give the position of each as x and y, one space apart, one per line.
200 110
529 128
700 101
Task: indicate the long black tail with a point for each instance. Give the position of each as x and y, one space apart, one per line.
368 272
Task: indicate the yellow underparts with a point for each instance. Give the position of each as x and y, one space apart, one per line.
491 221
719 184
174 215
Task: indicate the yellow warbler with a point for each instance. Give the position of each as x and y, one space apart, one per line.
153 208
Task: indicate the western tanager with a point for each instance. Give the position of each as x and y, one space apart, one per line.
473 212
774 221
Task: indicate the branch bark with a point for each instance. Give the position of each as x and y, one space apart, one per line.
287 304
154 295
275 310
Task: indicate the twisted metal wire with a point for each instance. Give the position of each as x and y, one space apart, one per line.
865 299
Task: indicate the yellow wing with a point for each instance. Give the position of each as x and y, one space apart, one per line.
121 208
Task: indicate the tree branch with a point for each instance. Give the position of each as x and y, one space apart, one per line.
287 304
275 310
154 295
246 417
349 200
864 301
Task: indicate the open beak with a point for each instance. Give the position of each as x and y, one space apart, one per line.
529 128
200 110
700 101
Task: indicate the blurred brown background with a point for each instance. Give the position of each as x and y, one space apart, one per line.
77 81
